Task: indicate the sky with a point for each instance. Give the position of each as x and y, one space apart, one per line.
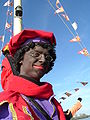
70 67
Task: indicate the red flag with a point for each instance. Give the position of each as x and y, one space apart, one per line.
76 89
84 83
84 52
7 25
65 16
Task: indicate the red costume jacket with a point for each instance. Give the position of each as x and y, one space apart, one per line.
14 86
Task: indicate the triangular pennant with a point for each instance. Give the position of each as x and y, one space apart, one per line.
57 2
65 16
76 89
74 25
84 52
63 98
76 39
8 3
59 10
68 94
7 25
84 83
2 38
9 13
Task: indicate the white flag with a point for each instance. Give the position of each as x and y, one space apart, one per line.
74 25
7 3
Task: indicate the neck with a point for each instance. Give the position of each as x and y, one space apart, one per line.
31 79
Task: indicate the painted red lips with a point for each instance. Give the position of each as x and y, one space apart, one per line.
38 67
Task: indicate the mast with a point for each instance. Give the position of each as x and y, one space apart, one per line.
17 17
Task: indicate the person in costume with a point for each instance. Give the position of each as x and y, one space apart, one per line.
28 57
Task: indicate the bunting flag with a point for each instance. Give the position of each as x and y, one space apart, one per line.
7 25
59 10
9 30
76 39
84 52
8 3
84 83
65 16
2 38
11 3
68 94
74 25
63 98
57 2
9 13
76 89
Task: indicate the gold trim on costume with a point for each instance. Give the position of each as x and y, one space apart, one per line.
26 112
3 102
13 111
52 106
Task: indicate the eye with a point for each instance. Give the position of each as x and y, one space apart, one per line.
49 58
36 54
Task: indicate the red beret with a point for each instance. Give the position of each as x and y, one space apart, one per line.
20 38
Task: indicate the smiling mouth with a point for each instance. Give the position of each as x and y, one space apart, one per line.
38 67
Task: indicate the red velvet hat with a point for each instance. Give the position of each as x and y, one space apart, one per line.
19 39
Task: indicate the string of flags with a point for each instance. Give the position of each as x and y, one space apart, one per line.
68 94
8 3
8 24
60 11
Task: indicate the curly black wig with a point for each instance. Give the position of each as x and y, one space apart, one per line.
20 54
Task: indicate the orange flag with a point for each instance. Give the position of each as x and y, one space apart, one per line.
57 2
65 16
84 52
76 39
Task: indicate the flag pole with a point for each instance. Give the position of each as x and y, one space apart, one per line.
17 27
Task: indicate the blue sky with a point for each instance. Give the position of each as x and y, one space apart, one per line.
70 67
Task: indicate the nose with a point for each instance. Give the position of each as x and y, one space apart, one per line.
42 59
